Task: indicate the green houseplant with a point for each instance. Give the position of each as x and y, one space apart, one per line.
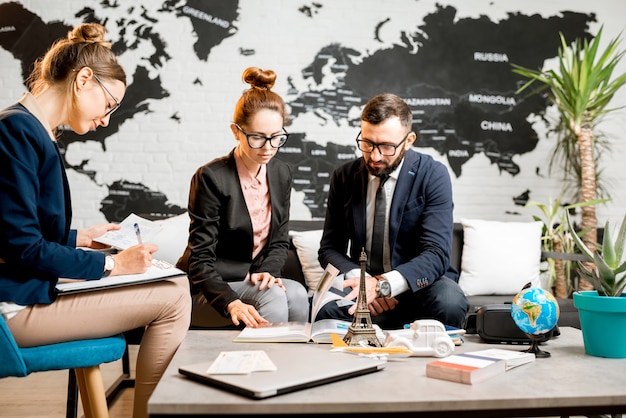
581 88
609 274
557 244
603 311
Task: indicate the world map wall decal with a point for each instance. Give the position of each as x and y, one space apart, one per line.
455 74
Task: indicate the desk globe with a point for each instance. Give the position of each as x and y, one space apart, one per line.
535 312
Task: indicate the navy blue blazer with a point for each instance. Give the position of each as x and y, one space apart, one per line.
220 232
37 245
421 220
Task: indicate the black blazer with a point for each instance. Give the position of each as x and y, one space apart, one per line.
220 232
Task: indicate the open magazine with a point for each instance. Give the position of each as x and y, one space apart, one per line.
316 331
133 228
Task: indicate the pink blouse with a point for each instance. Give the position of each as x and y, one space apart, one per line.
257 195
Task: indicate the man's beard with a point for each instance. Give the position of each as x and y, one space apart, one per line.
387 170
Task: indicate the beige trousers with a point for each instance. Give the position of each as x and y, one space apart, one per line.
163 308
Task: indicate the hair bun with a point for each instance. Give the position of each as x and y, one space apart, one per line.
259 78
91 33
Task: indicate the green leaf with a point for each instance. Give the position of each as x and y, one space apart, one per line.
605 272
621 269
608 250
620 285
620 242
579 243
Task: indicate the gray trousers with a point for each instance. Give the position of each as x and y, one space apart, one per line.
274 304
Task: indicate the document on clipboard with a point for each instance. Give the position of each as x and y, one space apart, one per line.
159 270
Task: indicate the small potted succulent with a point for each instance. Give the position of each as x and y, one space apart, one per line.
603 311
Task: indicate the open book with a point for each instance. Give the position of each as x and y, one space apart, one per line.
317 331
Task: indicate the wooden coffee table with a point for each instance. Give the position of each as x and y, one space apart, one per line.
568 383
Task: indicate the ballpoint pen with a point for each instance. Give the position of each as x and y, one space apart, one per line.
138 233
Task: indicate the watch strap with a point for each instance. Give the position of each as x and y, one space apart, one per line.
109 265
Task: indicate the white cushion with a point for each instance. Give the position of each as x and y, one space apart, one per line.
499 258
307 244
172 238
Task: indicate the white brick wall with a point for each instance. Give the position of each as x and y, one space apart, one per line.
161 153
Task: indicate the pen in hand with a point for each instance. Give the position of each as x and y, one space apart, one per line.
138 233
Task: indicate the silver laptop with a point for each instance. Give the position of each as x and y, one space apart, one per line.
299 366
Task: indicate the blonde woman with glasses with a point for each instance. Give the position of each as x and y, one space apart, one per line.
79 84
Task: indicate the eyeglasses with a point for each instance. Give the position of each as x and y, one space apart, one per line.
256 141
383 149
117 102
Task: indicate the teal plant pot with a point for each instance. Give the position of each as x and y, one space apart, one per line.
603 323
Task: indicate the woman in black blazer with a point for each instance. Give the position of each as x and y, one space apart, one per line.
239 209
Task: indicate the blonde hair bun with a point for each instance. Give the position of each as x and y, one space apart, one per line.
91 33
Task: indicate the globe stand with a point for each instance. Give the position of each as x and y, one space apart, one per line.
534 347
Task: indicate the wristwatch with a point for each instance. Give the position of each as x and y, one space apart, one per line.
109 265
383 287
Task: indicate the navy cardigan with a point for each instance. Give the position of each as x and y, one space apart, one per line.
37 245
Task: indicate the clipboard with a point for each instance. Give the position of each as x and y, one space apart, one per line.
160 270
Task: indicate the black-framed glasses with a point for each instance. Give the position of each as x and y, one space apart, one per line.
383 149
256 141
117 102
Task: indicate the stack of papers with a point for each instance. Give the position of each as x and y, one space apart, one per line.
241 362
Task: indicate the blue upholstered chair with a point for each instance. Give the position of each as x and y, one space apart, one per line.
84 357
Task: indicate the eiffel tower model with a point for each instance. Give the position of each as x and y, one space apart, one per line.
361 331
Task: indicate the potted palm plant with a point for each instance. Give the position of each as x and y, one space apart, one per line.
581 88
603 311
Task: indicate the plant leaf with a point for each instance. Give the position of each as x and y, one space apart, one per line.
579 243
604 271
620 241
608 250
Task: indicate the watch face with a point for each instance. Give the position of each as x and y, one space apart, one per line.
384 288
109 263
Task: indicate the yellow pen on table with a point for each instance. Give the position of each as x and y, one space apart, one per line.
138 233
